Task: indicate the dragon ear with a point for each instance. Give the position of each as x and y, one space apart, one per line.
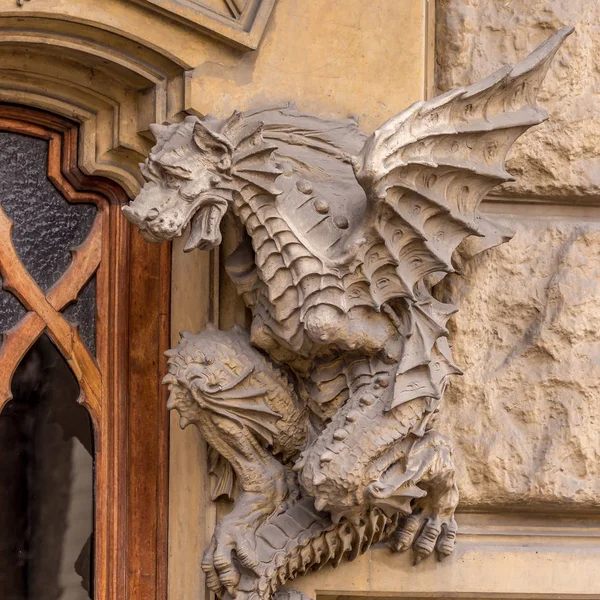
159 131
211 143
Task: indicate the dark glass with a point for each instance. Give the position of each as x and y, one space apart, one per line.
11 310
83 313
45 227
46 483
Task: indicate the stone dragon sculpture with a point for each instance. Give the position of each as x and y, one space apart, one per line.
320 418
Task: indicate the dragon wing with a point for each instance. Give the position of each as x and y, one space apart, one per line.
426 170
425 173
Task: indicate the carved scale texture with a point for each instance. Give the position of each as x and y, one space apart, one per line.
302 539
283 263
363 439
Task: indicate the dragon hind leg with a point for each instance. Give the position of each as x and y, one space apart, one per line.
431 526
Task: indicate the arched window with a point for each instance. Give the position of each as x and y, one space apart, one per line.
83 428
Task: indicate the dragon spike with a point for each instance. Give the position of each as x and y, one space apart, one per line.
542 55
336 517
159 131
204 137
238 129
320 504
299 465
169 379
319 478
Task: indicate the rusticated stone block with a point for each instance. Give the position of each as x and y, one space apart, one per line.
525 415
560 157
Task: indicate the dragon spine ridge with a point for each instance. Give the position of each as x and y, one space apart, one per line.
311 542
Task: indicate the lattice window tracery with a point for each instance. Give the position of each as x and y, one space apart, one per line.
90 298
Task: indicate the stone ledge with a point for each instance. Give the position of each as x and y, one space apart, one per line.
497 557
243 29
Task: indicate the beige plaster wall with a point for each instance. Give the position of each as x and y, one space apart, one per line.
332 57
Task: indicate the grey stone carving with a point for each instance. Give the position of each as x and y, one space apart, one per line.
321 417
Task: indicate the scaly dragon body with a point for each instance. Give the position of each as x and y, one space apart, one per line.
324 410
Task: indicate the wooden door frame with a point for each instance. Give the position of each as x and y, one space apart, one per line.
129 413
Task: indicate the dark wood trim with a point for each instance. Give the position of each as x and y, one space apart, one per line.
129 415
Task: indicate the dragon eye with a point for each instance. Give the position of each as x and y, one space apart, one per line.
172 181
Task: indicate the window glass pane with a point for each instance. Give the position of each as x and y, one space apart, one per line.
83 313
46 483
46 227
11 310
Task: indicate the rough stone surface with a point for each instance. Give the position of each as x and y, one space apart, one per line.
473 37
525 416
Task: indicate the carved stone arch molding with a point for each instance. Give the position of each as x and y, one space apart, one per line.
115 67
110 84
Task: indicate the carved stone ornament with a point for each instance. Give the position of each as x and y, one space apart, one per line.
321 417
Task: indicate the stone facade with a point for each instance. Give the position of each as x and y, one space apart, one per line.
560 158
525 414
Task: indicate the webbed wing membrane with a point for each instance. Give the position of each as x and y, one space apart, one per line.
427 169
425 173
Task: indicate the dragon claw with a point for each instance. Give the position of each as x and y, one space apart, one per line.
447 539
424 533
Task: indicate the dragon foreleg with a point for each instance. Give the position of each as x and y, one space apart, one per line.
373 456
363 441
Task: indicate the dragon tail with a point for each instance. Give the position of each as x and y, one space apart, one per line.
302 539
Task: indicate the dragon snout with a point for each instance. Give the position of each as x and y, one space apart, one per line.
151 222
163 226
132 215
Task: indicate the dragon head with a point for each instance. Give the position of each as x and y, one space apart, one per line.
219 373
193 174
203 368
